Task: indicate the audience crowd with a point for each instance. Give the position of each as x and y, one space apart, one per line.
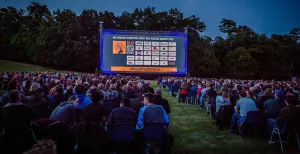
82 113
88 113
248 106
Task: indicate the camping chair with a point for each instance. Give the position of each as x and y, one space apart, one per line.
109 105
78 115
291 126
91 138
154 132
122 135
223 117
18 135
43 110
252 123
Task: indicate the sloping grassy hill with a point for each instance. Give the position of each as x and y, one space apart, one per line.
9 66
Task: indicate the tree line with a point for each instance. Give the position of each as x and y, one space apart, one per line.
64 40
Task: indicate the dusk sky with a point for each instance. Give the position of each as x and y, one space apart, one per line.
264 16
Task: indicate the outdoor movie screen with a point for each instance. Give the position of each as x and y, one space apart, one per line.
138 53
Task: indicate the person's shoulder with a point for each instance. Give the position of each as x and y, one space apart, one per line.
87 99
143 107
268 101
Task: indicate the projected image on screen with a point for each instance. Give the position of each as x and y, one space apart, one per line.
143 54
119 47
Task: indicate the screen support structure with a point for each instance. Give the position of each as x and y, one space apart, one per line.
186 34
100 37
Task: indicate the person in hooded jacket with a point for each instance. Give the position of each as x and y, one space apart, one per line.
80 94
66 111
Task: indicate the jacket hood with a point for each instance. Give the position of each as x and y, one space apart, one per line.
64 103
81 97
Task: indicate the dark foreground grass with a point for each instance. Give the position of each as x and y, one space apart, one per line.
191 128
194 133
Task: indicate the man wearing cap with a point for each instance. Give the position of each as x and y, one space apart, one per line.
272 107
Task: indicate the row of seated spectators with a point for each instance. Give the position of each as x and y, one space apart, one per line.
241 103
79 111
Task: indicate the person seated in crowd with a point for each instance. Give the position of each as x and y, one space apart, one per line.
222 99
95 112
12 85
50 83
26 87
183 93
122 115
150 113
36 96
289 110
235 91
175 88
203 95
200 88
272 107
159 100
144 88
15 111
265 96
243 106
211 95
88 92
135 100
45 89
111 93
53 89
69 91
66 111
193 89
2 91
34 86
83 99
59 96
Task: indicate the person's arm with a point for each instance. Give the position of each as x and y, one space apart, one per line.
110 121
166 117
140 121
265 105
73 117
281 118
167 106
237 107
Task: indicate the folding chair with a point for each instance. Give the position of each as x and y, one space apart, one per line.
202 100
178 93
154 132
291 126
122 134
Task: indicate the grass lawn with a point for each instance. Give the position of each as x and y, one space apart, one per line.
191 128
194 133
9 66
